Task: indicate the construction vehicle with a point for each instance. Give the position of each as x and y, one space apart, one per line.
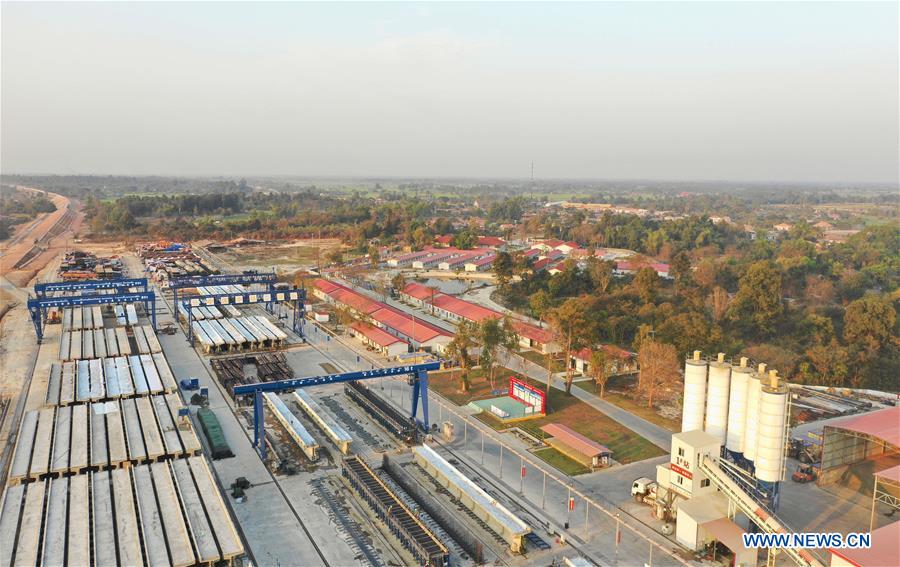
644 490
805 473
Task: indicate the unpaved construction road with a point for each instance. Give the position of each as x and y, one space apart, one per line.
32 248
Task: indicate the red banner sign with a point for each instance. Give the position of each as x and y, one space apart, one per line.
681 471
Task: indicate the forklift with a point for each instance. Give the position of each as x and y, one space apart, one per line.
805 472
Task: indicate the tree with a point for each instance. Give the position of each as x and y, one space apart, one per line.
335 255
757 304
680 270
464 340
601 273
869 324
495 334
570 323
398 282
645 283
600 369
658 364
539 302
503 268
465 239
718 303
829 362
374 256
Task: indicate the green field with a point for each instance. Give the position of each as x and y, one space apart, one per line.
632 406
560 462
626 445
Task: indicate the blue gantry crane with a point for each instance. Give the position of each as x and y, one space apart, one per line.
296 295
418 373
42 289
38 306
267 279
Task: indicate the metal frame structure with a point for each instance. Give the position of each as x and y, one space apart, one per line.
297 295
888 495
38 307
269 279
42 289
418 372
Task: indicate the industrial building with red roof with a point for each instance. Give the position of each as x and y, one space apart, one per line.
379 339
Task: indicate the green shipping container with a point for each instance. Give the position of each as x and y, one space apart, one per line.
213 431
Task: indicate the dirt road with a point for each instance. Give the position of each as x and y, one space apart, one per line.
21 258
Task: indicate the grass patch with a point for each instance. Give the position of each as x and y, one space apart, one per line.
448 384
556 362
626 445
632 406
560 462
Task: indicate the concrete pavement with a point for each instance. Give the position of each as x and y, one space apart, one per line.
541 497
657 435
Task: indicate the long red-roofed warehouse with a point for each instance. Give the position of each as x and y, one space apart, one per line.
379 339
455 309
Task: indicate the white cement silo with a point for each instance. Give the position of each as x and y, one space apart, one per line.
737 407
717 398
770 447
751 423
694 393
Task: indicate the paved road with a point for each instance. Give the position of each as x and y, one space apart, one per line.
657 435
270 517
497 459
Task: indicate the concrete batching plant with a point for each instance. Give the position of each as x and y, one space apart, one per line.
746 414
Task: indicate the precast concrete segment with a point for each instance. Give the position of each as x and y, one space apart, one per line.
30 525
79 539
201 530
176 530
126 518
54 541
104 523
9 522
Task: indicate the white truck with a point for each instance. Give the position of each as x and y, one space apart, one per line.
644 490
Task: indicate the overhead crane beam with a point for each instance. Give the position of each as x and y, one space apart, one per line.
267 278
297 296
42 289
38 307
418 373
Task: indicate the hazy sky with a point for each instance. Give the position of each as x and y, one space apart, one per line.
740 91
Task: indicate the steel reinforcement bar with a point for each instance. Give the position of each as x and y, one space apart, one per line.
409 530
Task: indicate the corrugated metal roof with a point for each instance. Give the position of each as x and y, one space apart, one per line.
419 291
540 336
464 309
884 550
357 301
498 511
417 330
891 474
612 350
374 334
884 424
575 440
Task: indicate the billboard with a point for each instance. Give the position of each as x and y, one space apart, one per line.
535 398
